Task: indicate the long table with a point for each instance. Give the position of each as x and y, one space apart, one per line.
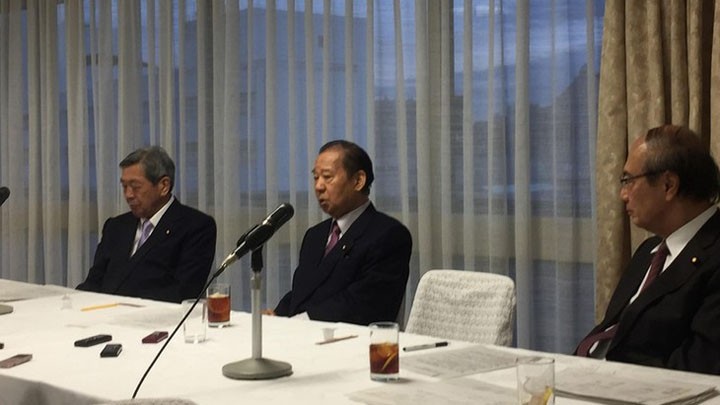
49 319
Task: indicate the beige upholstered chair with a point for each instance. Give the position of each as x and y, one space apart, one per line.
464 305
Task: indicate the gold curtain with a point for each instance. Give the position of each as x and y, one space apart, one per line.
660 64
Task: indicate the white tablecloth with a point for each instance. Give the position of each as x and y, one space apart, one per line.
60 373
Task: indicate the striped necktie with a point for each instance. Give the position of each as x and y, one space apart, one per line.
146 229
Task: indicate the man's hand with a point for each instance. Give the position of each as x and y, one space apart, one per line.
268 312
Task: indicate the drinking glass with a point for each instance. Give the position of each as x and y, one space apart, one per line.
384 353
218 301
536 380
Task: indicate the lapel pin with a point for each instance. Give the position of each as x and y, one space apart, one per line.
694 260
167 232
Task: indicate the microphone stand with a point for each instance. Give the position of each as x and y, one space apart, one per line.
256 367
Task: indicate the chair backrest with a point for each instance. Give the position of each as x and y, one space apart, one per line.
152 401
464 305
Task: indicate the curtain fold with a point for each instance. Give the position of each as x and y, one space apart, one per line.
78 247
14 229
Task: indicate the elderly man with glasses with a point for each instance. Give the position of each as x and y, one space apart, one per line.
665 311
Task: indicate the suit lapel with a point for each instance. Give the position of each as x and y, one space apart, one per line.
690 259
629 286
326 265
124 237
161 231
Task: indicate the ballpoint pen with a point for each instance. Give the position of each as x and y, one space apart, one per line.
425 346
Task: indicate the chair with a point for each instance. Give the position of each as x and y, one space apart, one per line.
464 305
152 401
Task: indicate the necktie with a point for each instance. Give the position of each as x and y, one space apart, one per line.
334 237
145 231
587 343
656 265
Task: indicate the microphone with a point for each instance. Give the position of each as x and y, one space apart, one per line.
259 234
5 193
242 238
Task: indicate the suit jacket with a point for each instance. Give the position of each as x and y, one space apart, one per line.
675 321
173 264
361 280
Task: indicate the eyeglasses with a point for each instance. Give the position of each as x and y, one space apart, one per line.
625 180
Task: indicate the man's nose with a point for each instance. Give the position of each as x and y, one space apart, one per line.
623 194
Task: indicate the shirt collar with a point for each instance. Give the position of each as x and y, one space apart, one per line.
677 240
346 220
158 215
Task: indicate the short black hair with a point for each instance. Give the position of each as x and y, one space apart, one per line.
354 159
680 150
156 162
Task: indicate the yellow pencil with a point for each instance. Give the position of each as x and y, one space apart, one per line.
103 306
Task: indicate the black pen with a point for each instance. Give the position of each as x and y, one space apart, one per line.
425 346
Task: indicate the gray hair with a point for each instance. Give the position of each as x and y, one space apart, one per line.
680 150
155 161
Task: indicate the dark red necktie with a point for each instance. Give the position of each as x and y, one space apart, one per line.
656 266
334 237
584 346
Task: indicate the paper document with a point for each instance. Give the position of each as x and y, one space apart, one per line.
150 318
447 392
458 362
603 387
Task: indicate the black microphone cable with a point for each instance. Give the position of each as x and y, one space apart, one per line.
202 292
281 215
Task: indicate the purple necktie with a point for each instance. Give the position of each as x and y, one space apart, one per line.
656 265
146 229
334 237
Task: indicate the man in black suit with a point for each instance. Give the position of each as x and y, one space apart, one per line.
161 249
356 271
670 185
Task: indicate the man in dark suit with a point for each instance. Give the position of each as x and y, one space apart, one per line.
665 311
161 249
353 266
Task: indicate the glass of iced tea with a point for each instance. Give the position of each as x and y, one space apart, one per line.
218 305
384 360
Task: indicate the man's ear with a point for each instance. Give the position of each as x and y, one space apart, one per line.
164 183
671 182
360 179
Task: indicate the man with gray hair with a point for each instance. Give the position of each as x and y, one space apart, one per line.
665 309
161 249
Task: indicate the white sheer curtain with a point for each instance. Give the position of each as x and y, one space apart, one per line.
480 117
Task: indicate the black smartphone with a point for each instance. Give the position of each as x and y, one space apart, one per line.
15 360
111 350
157 336
93 340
